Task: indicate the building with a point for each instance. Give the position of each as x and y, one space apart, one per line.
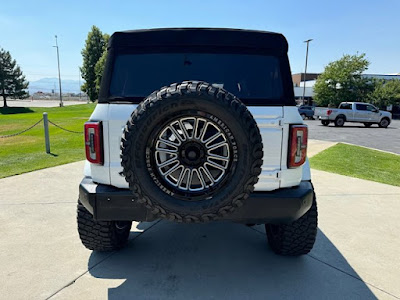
299 77
299 83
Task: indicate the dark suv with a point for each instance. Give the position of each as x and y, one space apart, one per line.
306 111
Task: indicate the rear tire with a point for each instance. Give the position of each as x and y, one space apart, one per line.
296 238
303 116
174 195
339 122
384 123
101 235
325 122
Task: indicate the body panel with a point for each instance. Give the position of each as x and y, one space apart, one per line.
273 123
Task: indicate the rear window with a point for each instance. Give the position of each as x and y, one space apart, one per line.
247 76
345 106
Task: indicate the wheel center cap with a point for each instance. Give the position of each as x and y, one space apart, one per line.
192 154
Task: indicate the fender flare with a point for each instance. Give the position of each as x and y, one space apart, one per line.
341 116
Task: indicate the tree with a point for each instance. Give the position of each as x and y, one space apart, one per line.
386 92
342 81
94 48
12 81
99 67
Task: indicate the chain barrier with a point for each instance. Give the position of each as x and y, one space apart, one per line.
58 126
38 122
21 132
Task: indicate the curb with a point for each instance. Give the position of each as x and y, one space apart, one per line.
369 148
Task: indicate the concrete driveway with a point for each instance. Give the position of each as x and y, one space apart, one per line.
356 133
356 254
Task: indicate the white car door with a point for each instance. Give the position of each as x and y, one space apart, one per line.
373 113
361 113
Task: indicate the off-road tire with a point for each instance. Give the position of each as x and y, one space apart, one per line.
325 122
174 100
101 235
339 121
296 238
367 125
384 123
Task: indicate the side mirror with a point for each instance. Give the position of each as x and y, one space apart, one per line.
375 110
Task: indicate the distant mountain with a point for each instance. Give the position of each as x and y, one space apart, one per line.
47 85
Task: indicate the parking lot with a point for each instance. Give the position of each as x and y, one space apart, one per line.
356 133
42 103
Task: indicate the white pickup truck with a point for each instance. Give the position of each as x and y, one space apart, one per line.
353 112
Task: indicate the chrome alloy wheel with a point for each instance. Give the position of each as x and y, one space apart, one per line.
192 154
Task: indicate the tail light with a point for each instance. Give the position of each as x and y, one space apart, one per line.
94 142
329 111
297 145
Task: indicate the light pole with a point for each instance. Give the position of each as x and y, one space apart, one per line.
59 76
79 83
305 71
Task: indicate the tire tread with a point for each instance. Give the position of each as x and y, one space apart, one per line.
99 235
296 238
202 89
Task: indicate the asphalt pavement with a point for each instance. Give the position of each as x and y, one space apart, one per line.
41 257
356 133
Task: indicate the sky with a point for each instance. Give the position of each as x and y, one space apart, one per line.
27 28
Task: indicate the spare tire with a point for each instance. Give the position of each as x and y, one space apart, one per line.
191 152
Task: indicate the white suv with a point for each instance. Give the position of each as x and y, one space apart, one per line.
197 125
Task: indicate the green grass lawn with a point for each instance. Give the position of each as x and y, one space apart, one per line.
26 152
359 162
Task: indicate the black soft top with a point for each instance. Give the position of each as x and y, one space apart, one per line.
213 37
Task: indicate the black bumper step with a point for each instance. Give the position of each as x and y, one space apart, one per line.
108 203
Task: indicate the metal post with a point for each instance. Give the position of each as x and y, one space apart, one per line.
46 132
305 71
59 76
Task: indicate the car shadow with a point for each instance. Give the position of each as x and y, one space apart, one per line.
223 261
358 126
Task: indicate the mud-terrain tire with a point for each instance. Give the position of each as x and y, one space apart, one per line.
339 121
101 235
384 123
325 122
296 238
171 108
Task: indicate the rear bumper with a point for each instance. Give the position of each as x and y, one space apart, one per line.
108 203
